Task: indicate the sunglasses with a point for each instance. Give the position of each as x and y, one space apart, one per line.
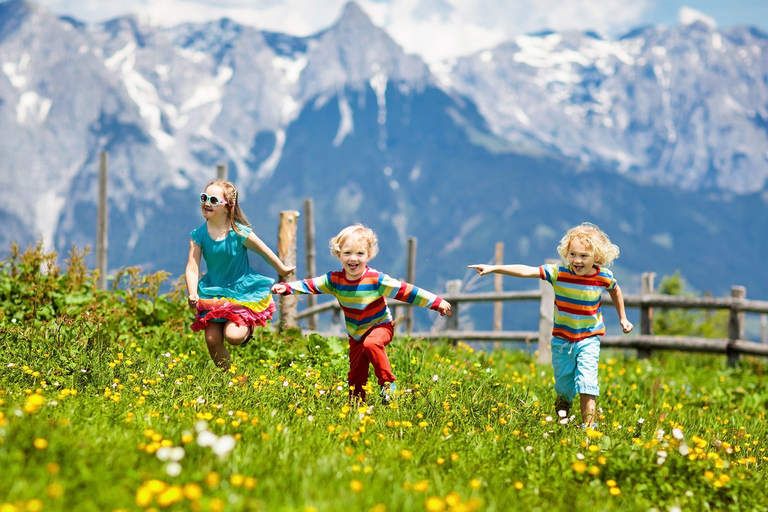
212 200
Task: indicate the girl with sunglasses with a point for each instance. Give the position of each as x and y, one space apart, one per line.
230 298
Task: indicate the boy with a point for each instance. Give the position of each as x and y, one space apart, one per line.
578 319
361 293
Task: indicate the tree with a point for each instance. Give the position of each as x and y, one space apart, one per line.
687 322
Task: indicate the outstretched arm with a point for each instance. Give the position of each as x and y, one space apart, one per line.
618 303
255 244
507 270
192 273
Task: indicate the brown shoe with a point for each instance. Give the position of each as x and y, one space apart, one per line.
562 405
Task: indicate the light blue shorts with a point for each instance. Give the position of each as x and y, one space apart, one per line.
575 366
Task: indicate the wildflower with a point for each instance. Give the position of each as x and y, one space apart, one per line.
356 485
173 469
579 467
615 491
435 377
677 433
434 504
519 485
406 454
192 491
475 483
40 443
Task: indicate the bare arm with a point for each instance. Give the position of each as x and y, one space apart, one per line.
507 270
193 272
255 244
618 303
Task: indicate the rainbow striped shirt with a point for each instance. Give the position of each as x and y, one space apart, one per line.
363 301
578 314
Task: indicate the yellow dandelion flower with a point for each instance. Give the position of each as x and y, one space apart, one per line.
379 507
250 483
34 505
217 505
192 491
143 497
440 461
212 479
610 483
709 475
54 490
237 479
40 443
454 457
615 491
52 468
434 504
594 470
356 485
579 466
452 499
724 478
593 448
406 454
421 486
475 483
518 485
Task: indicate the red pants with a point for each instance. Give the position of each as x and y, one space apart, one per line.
369 350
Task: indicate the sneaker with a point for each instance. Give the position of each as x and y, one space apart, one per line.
387 392
562 405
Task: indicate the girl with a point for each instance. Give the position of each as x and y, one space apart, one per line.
361 292
231 298
578 282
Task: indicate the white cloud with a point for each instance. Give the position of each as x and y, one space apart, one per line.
434 29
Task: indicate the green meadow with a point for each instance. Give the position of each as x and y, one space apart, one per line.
109 403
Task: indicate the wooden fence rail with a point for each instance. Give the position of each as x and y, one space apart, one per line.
642 339
644 343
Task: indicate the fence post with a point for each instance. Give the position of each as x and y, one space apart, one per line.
764 328
286 251
102 223
546 321
221 171
735 325
410 277
452 322
309 250
498 286
646 313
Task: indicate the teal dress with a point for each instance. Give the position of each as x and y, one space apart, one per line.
231 290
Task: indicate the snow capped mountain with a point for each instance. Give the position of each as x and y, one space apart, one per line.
665 119
684 106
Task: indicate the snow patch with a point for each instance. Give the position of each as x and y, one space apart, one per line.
346 124
688 16
290 68
32 108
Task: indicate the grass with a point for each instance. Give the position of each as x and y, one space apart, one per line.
95 417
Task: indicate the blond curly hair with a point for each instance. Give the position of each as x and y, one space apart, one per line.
361 234
594 239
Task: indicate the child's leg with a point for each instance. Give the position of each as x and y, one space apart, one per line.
357 377
214 340
587 385
236 334
374 345
564 366
587 408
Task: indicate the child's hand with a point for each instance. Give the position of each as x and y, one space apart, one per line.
482 269
286 270
192 300
444 308
626 325
279 288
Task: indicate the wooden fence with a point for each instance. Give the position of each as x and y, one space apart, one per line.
641 339
644 341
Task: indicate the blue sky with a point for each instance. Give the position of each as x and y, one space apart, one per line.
434 29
